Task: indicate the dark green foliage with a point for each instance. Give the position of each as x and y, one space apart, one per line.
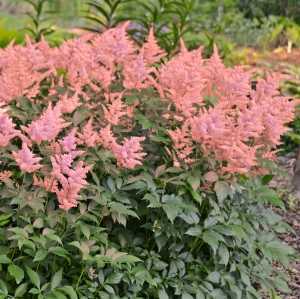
143 236
155 232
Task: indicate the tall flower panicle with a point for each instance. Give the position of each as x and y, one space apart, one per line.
89 136
48 183
22 69
114 45
68 104
48 126
107 138
137 73
130 154
152 53
71 179
7 129
183 143
182 80
27 161
115 110
69 142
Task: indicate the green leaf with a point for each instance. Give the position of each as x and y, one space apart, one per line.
16 272
214 277
222 190
40 255
194 182
3 288
70 292
194 231
200 295
282 285
21 290
212 239
127 258
162 294
56 279
114 278
4 259
245 278
59 251
59 295
269 196
186 296
172 206
85 230
171 211
144 122
224 254
196 196
4 217
34 277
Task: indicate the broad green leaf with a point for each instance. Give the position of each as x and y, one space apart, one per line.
126 258
212 239
224 254
69 291
21 290
171 211
114 278
4 259
245 278
282 285
16 272
56 279
194 231
214 277
59 251
269 196
222 190
172 206
200 295
162 294
59 295
186 296
40 255
3 288
194 182
34 277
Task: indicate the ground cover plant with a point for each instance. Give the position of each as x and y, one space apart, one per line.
128 174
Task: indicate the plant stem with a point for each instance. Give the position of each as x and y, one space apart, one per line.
79 279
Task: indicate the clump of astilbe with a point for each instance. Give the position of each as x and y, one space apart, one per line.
88 81
22 69
82 68
240 127
88 135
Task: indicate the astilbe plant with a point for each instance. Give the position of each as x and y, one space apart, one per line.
82 121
